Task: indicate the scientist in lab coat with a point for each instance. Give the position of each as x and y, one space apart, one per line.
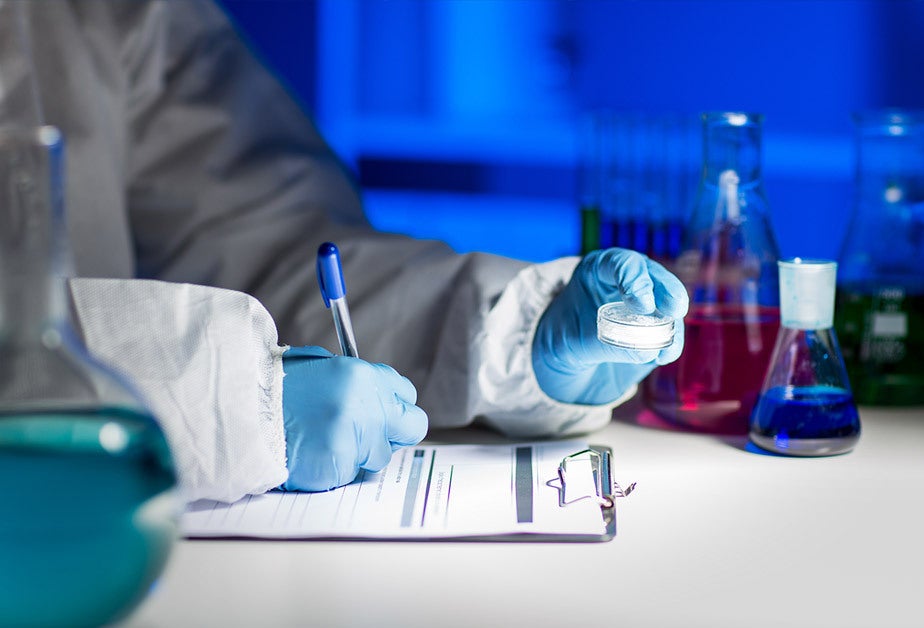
197 195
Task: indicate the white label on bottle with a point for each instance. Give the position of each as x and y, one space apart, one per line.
888 324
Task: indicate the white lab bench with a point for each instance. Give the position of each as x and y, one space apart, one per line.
713 536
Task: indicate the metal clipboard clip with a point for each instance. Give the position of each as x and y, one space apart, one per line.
587 474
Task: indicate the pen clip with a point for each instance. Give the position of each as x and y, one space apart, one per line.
330 273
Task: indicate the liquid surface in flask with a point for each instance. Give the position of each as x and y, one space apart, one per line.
817 420
715 382
90 515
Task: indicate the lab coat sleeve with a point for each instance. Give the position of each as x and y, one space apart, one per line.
226 176
231 185
207 364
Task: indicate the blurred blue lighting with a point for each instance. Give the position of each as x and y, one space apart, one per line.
465 112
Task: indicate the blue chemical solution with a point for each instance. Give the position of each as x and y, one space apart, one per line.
805 421
90 514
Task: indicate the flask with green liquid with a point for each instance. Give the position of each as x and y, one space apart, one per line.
879 315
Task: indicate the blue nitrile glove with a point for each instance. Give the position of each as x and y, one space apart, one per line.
341 415
570 363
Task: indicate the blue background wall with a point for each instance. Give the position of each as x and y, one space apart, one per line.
460 117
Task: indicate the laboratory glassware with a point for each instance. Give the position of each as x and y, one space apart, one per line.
806 407
729 268
880 297
591 174
620 327
88 483
635 172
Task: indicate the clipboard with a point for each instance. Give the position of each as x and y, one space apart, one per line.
545 491
604 489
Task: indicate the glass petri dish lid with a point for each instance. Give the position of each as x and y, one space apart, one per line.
618 326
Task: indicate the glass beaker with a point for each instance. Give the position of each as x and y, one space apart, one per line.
806 407
729 268
88 484
880 298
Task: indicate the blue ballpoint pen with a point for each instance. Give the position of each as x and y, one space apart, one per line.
333 289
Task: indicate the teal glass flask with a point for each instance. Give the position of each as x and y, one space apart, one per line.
880 293
728 264
89 489
806 407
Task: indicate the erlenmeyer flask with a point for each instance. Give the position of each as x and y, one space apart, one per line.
729 267
806 407
880 297
90 506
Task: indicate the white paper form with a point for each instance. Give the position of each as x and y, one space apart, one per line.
428 491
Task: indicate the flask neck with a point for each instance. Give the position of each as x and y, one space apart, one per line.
884 242
32 247
729 251
731 142
890 155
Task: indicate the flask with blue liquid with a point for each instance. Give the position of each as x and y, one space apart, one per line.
806 407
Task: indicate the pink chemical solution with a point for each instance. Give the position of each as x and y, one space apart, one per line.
715 383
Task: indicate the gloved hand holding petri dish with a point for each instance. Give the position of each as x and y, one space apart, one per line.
644 330
621 327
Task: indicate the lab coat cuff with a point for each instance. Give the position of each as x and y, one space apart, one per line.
272 428
512 400
208 363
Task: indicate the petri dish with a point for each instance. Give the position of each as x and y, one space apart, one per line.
618 326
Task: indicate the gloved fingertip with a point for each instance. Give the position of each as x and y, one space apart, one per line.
405 391
670 294
377 465
666 357
644 357
306 352
642 303
379 456
671 353
674 305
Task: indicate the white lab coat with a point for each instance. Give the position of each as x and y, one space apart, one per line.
190 166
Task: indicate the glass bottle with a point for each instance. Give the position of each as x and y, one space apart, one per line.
880 297
806 407
728 265
88 484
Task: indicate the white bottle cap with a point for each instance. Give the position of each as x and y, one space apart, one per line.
807 293
616 325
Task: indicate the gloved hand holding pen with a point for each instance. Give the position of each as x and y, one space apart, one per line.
343 414
570 363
